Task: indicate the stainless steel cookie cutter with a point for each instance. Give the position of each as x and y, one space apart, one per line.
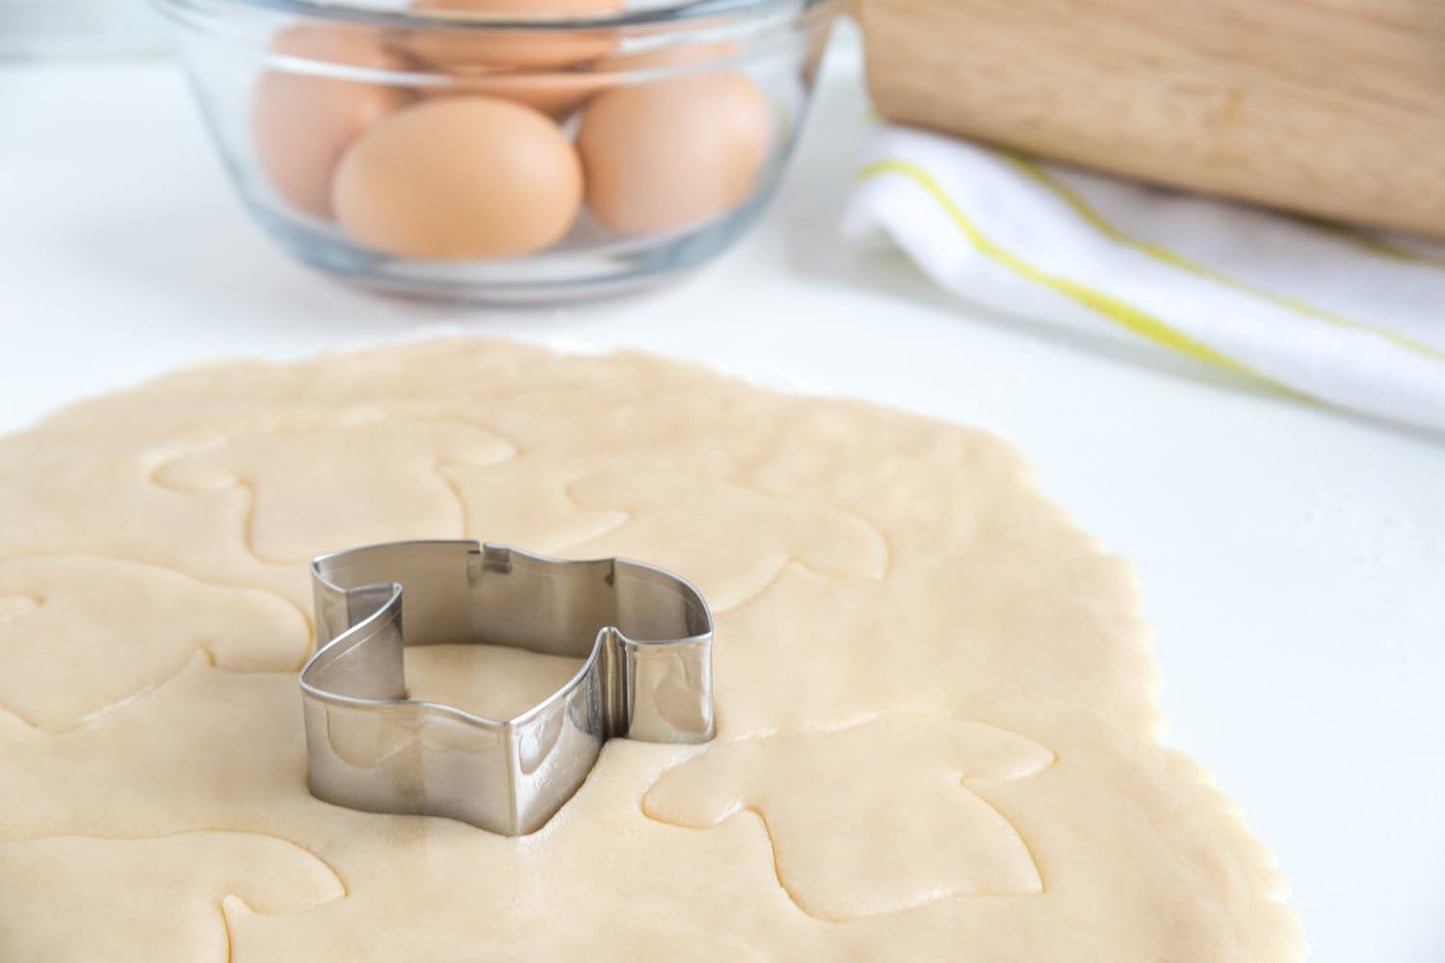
645 636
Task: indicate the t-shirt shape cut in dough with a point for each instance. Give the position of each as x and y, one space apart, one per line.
904 613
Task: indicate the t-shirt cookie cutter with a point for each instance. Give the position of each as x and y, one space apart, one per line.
645 635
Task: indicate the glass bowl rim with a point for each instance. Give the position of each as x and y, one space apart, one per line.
679 14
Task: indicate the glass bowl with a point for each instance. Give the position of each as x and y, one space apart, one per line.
498 150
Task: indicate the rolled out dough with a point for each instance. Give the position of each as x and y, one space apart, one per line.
937 726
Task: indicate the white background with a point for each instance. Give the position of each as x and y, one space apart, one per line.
1292 559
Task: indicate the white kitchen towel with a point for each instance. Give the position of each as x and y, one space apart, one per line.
1341 316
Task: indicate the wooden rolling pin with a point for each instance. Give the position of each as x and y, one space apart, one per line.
1333 108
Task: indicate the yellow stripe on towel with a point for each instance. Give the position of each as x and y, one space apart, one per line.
1160 253
1126 315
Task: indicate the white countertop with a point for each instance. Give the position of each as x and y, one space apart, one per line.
1292 559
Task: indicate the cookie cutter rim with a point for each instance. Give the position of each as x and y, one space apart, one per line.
646 674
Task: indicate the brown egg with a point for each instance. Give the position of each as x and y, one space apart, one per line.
516 48
559 93
301 124
556 94
661 155
458 178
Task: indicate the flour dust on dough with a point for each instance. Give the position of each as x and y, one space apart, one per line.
937 724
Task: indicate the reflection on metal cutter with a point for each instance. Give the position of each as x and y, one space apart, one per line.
645 636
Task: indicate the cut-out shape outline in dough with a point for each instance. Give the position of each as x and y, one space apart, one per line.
200 651
226 905
686 479
344 420
1046 758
